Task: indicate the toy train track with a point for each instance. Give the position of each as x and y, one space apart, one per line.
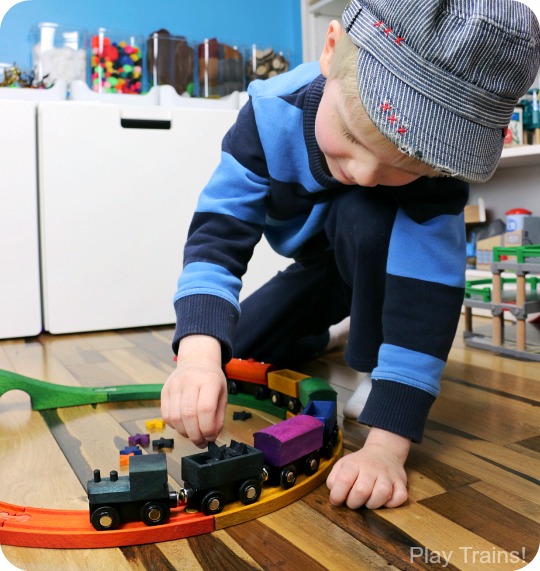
69 529
252 384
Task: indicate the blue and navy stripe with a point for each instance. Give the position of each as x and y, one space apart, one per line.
271 181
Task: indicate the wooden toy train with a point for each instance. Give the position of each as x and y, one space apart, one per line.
222 474
284 387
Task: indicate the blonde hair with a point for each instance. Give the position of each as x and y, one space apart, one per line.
343 66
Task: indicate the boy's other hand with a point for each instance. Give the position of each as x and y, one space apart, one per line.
374 476
194 397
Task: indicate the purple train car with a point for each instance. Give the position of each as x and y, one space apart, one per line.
290 447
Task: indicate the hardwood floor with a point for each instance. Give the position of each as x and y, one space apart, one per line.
473 482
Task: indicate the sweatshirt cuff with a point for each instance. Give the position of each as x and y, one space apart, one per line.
206 315
398 408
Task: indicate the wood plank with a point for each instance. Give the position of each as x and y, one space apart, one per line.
429 477
147 557
33 469
5 362
178 553
464 408
44 478
102 341
33 360
304 524
237 549
279 551
483 469
510 500
391 542
493 364
155 342
486 518
89 438
525 466
213 553
504 383
529 447
138 366
90 367
31 559
440 535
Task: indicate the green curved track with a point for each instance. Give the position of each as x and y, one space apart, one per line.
45 395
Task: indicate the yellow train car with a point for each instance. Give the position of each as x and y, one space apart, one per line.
284 388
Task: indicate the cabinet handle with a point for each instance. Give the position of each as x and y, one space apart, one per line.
145 123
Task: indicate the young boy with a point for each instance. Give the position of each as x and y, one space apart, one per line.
356 168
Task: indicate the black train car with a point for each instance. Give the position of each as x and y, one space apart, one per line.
221 475
143 495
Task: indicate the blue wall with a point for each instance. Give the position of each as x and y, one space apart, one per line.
275 24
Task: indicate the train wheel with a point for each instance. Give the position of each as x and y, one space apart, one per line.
275 397
232 388
155 513
287 477
332 441
261 393
105 518
311 464
212 503
250 492
293 405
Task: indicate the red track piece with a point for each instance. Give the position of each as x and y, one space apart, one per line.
71 529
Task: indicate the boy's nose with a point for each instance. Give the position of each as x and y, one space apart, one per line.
365 174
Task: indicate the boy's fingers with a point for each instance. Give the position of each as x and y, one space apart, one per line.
359 494
381 494
399 495
189 415
344 487
208 413
165 403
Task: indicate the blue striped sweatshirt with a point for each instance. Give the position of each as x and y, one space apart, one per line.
271 181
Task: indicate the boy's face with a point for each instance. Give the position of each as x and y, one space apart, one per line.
355 151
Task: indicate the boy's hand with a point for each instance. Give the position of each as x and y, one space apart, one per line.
373 476
194 397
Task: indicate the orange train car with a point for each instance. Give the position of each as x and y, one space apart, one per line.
285 388
248 376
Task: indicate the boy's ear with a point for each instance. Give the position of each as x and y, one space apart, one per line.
332 35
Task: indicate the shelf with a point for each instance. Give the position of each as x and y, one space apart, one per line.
523 156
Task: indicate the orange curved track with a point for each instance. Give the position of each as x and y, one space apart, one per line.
36 527
69 529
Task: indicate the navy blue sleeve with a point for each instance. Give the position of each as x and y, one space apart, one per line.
422 304
228 223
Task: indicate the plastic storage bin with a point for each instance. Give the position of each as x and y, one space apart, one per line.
221 69
58 53
170 61
116 62
10 90
263 63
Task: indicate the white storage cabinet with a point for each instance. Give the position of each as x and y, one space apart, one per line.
20 301
118 188
117 193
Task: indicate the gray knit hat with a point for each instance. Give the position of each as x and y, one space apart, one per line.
441 78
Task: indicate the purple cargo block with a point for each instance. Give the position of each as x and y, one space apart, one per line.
142 439
289 440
